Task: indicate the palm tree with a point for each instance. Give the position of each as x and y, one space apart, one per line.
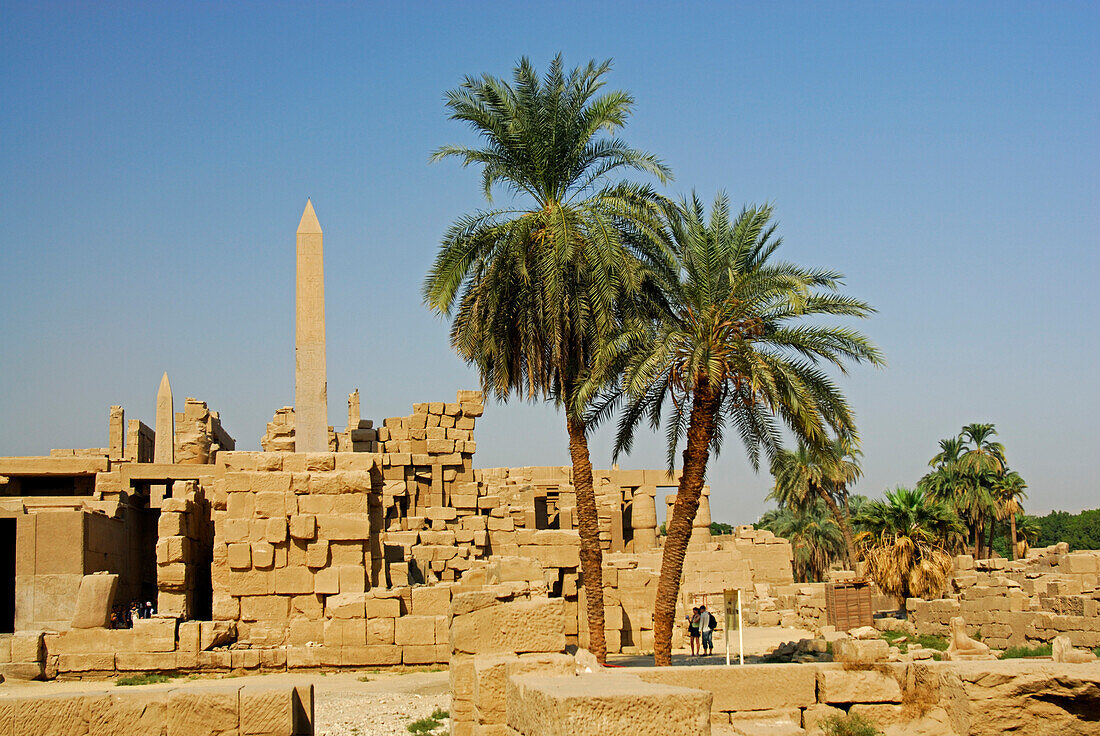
981 455
818 473
537 288
1008 490
815 537
734 346
964 473
905 541
1027 527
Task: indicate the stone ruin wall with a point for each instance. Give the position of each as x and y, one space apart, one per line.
1051 592
350 558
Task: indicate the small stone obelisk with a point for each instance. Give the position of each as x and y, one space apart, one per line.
310 378
164 442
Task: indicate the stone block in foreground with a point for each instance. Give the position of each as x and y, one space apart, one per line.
602 704
749 687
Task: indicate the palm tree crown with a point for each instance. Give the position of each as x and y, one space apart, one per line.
535 288
904 540
819 474
736 332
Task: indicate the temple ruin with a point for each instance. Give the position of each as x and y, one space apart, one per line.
327 548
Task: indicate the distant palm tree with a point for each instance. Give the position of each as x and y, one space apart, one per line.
815 538
905 540
536 289
1008 490
1029 531
737 343
981 455
822 473
964 473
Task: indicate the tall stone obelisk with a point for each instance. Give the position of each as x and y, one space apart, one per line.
310 375
164 442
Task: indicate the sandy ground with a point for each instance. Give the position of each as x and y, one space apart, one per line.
758 640
384 702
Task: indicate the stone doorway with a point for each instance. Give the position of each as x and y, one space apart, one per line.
7 576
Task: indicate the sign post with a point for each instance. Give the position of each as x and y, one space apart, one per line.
732 600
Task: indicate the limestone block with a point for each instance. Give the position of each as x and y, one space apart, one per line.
303 526
813 716
27 646
203 712
267 710
225 607
370 656
275 530
270 505
537 625
189 636
345 605
341 632
94 599
857 650
414 630
235 530
62 714
91 662
352 579
265 608
857 686
491 673
327 581
424 654
310 606
171 524
317 554
348 527
380 631
293 581
751 687
303 632
252 582
263 555
248 659
145 661
134 713
173 549
601 704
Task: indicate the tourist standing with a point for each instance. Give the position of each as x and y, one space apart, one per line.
693 631
707 624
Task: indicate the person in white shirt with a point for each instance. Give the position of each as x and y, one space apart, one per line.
707 625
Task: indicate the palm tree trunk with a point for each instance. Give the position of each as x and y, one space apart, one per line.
842 522
704 409
992 533
1012 527
588 524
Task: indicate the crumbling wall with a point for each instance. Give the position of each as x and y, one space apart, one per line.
199 434
1027 602
58 541
184 553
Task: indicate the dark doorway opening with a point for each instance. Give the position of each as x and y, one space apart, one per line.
7 576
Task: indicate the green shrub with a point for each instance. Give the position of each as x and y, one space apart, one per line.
933 641
1042 650
852 724
146 678
427 725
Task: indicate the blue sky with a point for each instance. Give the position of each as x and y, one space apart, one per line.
155 160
